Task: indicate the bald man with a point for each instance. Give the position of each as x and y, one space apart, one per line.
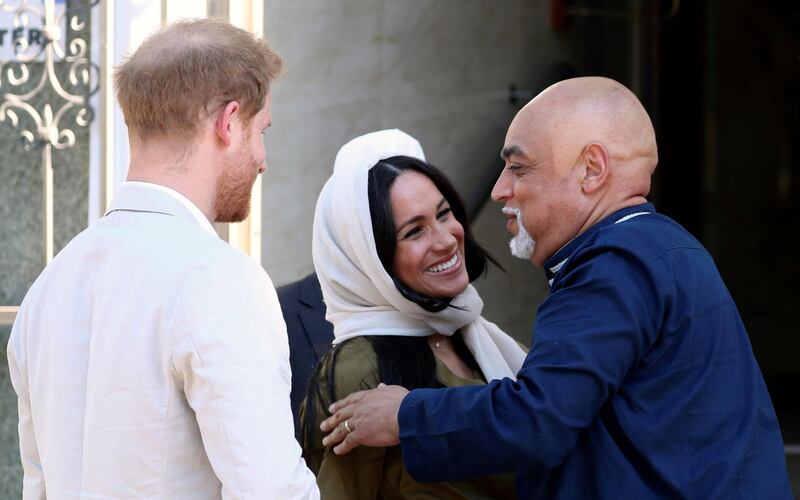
641 382
150 358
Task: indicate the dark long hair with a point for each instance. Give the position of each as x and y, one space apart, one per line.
406 361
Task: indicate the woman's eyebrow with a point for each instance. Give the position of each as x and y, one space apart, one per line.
412 220
418 218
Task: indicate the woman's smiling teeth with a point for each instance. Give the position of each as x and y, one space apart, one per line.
444 266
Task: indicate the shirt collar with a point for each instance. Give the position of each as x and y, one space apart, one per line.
198 215
554 263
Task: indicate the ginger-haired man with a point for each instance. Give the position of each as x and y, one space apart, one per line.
150 358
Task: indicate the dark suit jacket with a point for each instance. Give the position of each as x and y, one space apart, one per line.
310 335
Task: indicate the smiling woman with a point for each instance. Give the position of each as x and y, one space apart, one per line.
430 240
421 232
395 256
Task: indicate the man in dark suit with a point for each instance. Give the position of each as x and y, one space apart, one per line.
310 335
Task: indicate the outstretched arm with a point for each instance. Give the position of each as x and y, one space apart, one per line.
590 333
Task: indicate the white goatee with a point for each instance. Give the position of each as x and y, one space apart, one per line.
522 244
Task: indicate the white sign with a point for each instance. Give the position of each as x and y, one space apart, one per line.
33 33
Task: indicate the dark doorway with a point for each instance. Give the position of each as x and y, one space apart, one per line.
728 119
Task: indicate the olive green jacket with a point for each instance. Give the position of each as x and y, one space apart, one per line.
378 473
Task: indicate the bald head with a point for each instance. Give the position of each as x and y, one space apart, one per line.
579 151
574 113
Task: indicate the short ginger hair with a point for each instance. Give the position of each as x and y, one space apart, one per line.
189 70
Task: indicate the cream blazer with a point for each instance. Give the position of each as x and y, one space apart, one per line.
150 360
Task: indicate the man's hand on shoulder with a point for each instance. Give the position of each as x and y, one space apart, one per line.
367 418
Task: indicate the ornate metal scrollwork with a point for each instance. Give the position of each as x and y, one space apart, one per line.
77 80
62 71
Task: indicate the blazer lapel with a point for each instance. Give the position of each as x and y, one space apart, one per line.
318 331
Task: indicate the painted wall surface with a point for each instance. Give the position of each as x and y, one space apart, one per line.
437 69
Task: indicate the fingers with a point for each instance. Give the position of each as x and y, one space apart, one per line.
350 442
337 435
351 399
335 420
340 411
350 410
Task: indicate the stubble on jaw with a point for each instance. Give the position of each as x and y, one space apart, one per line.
234 191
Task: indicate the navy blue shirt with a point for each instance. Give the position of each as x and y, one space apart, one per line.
641 383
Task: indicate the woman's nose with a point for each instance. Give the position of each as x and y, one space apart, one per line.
444 239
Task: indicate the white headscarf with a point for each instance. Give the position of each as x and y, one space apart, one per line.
360 296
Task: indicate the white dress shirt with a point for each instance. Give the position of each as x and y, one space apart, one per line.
150 360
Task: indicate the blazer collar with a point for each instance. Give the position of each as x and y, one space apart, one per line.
310 293
144 197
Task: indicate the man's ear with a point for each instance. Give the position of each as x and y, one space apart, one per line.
224 122
596 168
